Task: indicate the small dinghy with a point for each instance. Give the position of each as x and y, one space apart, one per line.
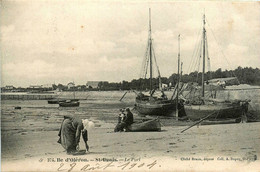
69 103
55 101
150 125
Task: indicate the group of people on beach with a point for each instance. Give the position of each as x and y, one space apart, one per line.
125 119
72 127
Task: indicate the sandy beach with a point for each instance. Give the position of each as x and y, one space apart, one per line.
192 147
29 141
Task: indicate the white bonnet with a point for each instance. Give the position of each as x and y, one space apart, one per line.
87 124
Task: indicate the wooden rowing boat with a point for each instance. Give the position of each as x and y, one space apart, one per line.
150 125
69 104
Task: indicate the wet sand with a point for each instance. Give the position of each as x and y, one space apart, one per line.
237 141
29 141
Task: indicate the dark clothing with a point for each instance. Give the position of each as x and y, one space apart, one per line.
123 124
70 133
119 126
129 118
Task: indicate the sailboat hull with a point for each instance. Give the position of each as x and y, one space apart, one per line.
219 111
69 104
156 108
55 101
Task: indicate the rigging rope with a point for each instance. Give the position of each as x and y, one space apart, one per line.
157 67
195 50
221 50
147 62
207 54
200 51
144 66
159 75
198 55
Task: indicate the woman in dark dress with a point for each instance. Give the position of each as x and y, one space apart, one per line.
71 129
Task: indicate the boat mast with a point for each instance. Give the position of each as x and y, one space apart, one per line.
181 71
150 52
73 90
203 69
178 80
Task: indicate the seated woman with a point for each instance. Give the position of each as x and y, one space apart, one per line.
121 118
70 131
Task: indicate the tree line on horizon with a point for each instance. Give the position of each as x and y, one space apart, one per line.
246 75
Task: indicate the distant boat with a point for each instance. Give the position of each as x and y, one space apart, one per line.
69 103
151 104
57 100
150 125
198 107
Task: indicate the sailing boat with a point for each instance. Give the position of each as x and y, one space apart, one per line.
70 102
150 104
200 107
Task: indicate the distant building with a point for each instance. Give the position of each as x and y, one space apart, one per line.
93 84
223 81
35 87
9 87
81 87
47 86
70 85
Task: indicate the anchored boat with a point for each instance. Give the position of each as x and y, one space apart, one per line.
69 103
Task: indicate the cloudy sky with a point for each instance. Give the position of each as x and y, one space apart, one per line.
43 42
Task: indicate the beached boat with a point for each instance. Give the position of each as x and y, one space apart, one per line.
155 107
69 103
198 107
150 125
216 111
57 101
150 104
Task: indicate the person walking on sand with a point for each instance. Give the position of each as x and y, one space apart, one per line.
70 131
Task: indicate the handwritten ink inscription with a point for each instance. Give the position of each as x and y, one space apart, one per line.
106 165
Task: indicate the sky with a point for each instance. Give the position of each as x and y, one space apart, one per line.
46 42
